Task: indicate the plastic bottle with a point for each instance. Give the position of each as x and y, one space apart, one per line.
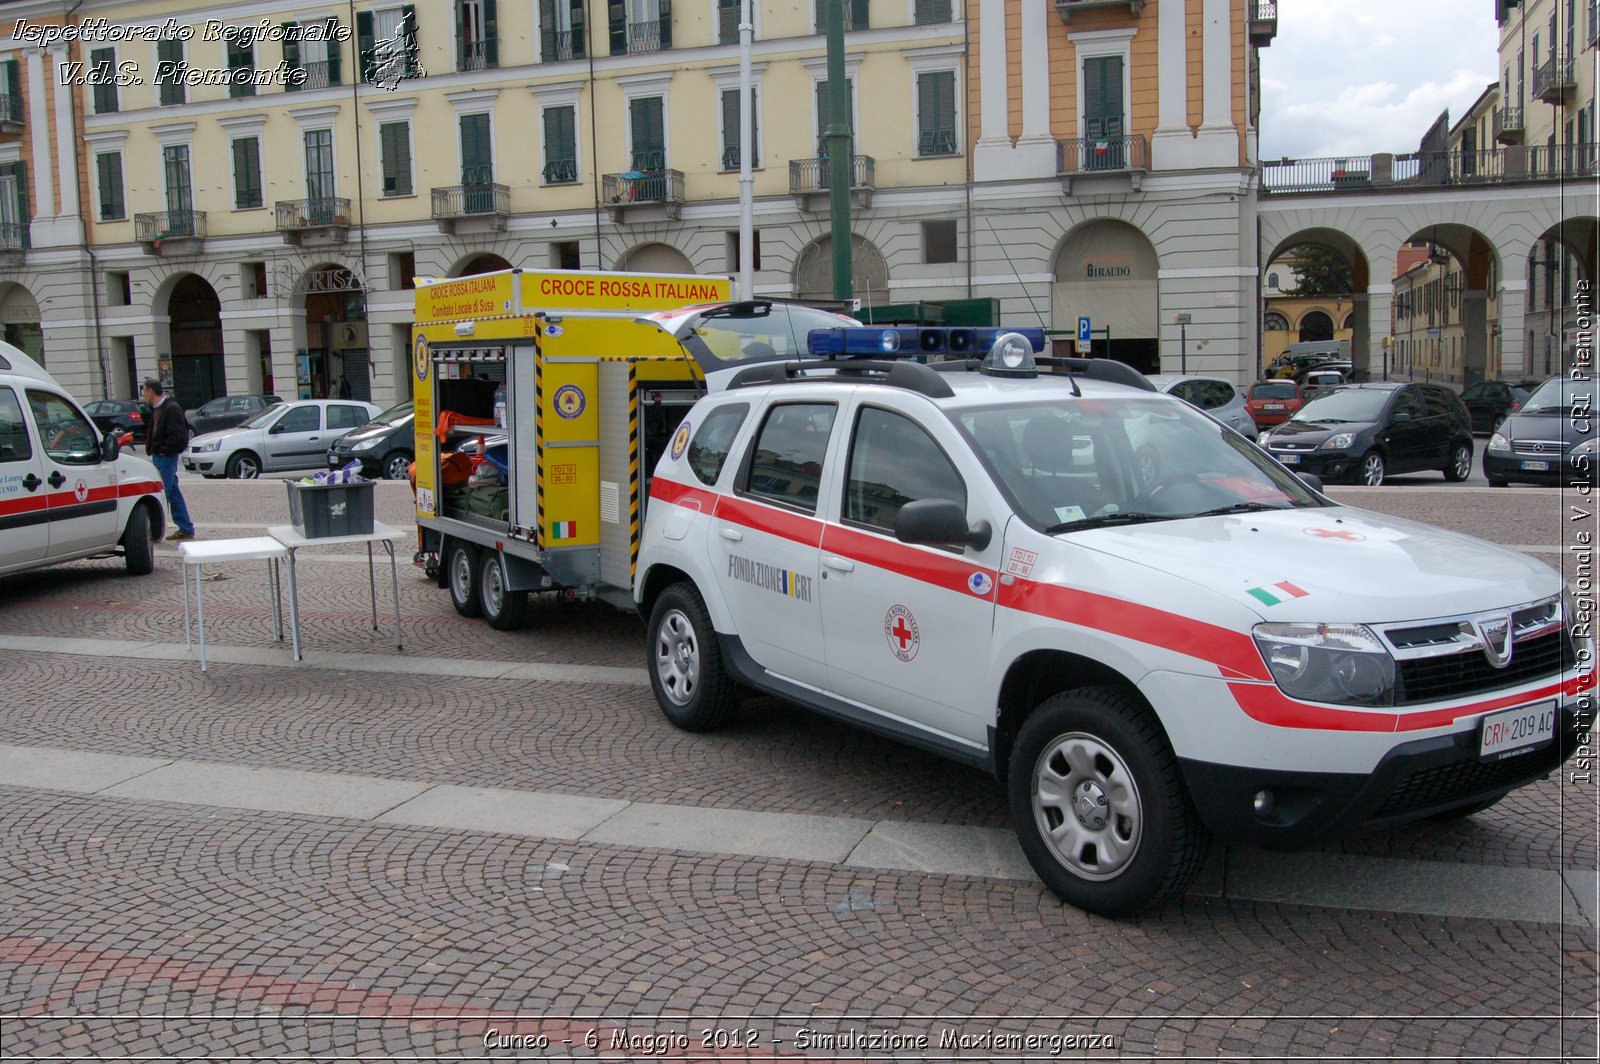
500 406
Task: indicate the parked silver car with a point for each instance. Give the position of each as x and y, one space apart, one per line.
284 436
1215 396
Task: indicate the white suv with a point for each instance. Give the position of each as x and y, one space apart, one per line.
971 562
66 493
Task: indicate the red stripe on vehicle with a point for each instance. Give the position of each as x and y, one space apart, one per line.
138 487
673 492
1269 705
940 570
22 505
798 528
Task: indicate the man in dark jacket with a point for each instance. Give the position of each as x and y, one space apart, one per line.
166 437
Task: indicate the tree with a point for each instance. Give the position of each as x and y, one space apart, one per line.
1321 271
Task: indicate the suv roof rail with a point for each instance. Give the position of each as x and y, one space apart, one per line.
1108 370
910 376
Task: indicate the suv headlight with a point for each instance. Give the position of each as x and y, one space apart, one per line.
1498 442
203 448
1338 441
1343 663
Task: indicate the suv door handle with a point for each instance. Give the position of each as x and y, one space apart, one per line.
843 565
56 479
732 534
31 482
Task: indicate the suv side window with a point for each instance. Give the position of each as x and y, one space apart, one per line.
786 464
708 450
14 443
893 461
68 437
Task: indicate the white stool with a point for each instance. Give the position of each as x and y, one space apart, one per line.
200 552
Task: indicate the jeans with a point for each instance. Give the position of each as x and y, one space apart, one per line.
167 466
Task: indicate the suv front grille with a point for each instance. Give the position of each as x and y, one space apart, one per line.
1429 788
1429 679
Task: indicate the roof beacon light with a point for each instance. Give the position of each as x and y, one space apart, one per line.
1011 356
890 341
934 343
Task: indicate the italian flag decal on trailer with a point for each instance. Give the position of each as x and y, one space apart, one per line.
563 529
1277 593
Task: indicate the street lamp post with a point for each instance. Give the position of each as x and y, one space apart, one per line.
1183 342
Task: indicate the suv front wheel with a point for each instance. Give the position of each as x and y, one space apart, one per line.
1100 807
691 685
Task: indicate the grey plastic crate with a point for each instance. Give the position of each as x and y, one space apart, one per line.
319 511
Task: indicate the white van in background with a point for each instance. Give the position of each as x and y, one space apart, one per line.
66 493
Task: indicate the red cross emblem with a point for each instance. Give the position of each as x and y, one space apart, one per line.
81 491
900 629
1335 533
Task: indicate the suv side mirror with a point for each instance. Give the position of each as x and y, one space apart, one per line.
110 447
939 521
1312 481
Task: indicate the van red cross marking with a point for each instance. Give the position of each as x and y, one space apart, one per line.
901 633
1335 533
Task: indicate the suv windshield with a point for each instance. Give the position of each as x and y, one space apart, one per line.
1346 404
1559 395
1071 464
759 332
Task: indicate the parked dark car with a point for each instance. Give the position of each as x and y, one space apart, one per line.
1364 432
1489 401
383 445
1550 439
119 416
226 411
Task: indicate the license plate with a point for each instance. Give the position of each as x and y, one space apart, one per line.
1274 406
1289 459
1513 730
1536 467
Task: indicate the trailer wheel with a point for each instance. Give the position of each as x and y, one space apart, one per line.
504 609
461 574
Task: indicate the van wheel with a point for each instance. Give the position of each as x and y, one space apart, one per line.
691 685
461 574
397 466
244 466
504 609
138 552
1460 467
1100 807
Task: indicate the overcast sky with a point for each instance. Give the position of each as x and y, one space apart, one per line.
1353 77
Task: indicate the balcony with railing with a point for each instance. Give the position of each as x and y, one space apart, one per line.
624 192
1066 8
15 240
644 36
1083 157
1263 22
811 181
1438 169
170 232
1554 80
477 55
471 208
11 113
1508 128
558 46
321 220
319 75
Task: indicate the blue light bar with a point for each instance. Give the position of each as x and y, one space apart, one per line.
873 341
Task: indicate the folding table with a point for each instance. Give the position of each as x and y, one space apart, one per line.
198 553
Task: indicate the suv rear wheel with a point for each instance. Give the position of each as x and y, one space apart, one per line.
691 685
1100 806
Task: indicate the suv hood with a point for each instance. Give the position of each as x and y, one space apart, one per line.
1352 565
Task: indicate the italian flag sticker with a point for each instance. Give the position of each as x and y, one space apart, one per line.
1277 593
569 530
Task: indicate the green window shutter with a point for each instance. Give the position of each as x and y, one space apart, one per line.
619 27
649 136
547 31
580 44
335 50
291 54
395 147
109 166
104 61
365 43
929 12
246 173
666 24
19 172
14 79
461 35
822 114
477 164
1102 96
730 129
560 145
491 35
727 21
170 50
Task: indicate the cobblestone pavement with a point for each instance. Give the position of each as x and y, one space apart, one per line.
142 928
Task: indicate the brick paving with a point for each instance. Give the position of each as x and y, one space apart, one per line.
219 932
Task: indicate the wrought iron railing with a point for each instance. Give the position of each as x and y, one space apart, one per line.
644 36
11 109
1263 10
1553 77
560 171
1507 120
816 175
1429 169
156 226
295 215
460 201
1102 154
14 236
560 45
317 75
477 55
643 186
